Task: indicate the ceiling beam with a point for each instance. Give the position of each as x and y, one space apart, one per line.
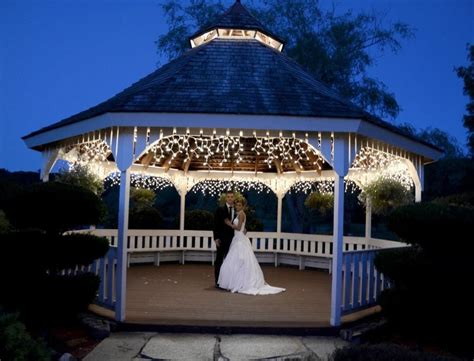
186 165
146 160
167 163
278 165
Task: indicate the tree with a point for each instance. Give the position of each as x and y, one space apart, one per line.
143 214
336 49
437 137
466 73
80 175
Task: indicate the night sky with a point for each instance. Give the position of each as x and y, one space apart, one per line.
59 57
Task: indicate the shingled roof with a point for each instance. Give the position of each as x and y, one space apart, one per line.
230 76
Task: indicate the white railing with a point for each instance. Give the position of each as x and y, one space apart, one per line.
362 283
288 243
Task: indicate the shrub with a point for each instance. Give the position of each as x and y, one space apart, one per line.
431 276
141 198
16 344
54 207
4 224
461 200
437 228
385 195
145 218
71 250
65 296
384 352
41 252
322 202
199 219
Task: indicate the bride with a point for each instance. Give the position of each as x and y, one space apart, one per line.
240 271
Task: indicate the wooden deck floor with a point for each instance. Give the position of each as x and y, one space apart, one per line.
173 294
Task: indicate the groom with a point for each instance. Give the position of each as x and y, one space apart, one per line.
223 234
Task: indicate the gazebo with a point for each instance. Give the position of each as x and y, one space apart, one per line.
235 107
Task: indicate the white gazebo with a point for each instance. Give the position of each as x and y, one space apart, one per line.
234 107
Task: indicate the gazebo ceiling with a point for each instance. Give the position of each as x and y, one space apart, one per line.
198 153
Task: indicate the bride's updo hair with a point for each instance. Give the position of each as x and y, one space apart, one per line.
241 200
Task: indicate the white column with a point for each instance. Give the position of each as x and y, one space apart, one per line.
368 220
279 211
49 159
336 294
417 193
121 275
182 209
123 153
341 168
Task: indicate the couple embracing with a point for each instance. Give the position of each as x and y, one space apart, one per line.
236 267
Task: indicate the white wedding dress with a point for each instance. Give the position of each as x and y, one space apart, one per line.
240 271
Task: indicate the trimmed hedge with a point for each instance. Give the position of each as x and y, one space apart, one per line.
431 278
54 207
437 228
29 266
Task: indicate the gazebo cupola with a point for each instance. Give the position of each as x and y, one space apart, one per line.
237 23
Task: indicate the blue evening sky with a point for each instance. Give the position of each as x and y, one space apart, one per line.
59 57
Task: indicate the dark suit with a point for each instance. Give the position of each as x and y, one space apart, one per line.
225 234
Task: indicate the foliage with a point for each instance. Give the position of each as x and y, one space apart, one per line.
80 175
69 251
461 199
336 48
448 176
142 214
466 73
322 202
16 344
436 137
141 198
428 274
66 296
431 225
54 207
41 213
145 218
4 224
42 257
41 252
199 219
384 352
385 195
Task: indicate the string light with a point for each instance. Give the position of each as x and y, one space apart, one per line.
371 164
85 153
325 186
215 187
230 148
140 181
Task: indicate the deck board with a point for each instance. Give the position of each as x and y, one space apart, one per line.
173 294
